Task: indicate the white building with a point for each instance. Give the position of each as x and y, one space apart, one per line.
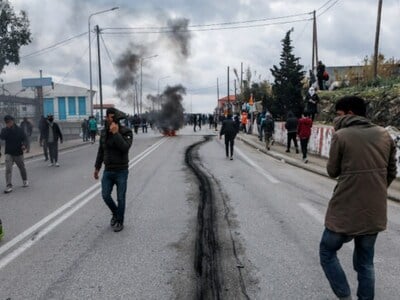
65 102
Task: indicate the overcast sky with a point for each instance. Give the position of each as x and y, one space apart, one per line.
346 34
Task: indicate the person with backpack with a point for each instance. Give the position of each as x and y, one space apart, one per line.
269 129
304 133
260 125
320 75
291 127
229 130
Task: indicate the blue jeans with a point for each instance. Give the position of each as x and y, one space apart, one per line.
363 263
109 179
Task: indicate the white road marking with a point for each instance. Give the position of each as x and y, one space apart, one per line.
258 168
308 208
84 198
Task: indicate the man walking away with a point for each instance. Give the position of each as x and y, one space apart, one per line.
144 125
362 156
27 127
261 125
15 140
114 145
85 129
92 129
229 130
52 134
291 127
304 132
42 141
194 118
269 129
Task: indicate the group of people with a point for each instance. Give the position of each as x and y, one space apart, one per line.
357 209
89 129
301 128
18 140
115 142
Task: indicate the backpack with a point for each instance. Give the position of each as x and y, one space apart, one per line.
325 76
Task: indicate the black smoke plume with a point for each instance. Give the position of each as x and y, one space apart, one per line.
179 35
171 117
128 67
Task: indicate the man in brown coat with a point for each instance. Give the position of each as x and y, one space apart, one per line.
362 156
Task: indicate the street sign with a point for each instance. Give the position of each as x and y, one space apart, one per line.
35 82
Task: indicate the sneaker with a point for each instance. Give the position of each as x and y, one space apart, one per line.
8 189
268 148
287 151
50 165
113 221
297 151
231 158
305 160
118 227
25 183
57 164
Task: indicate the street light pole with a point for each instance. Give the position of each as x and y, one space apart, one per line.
141 77
90 56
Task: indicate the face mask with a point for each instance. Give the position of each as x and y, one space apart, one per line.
50 119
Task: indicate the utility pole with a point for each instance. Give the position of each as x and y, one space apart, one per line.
217 90
235 94
40 97
228 85
241 77
378 28
314 44
100 84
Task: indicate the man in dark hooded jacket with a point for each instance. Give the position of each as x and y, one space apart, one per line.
15 139
51 135
229 129
362 156
114 145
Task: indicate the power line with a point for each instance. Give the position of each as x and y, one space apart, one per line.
52 47
205 29
329 7
74 66
325 4
160 28
108 54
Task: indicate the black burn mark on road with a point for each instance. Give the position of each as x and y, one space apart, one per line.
206 249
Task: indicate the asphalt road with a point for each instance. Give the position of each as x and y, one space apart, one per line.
266 216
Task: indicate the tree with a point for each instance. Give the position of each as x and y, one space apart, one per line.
287 85
14 33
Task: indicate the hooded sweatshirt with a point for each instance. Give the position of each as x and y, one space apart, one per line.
114 148
362 157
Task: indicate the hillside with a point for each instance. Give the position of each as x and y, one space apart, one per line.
383 108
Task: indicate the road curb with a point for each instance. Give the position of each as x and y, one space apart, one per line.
297 163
